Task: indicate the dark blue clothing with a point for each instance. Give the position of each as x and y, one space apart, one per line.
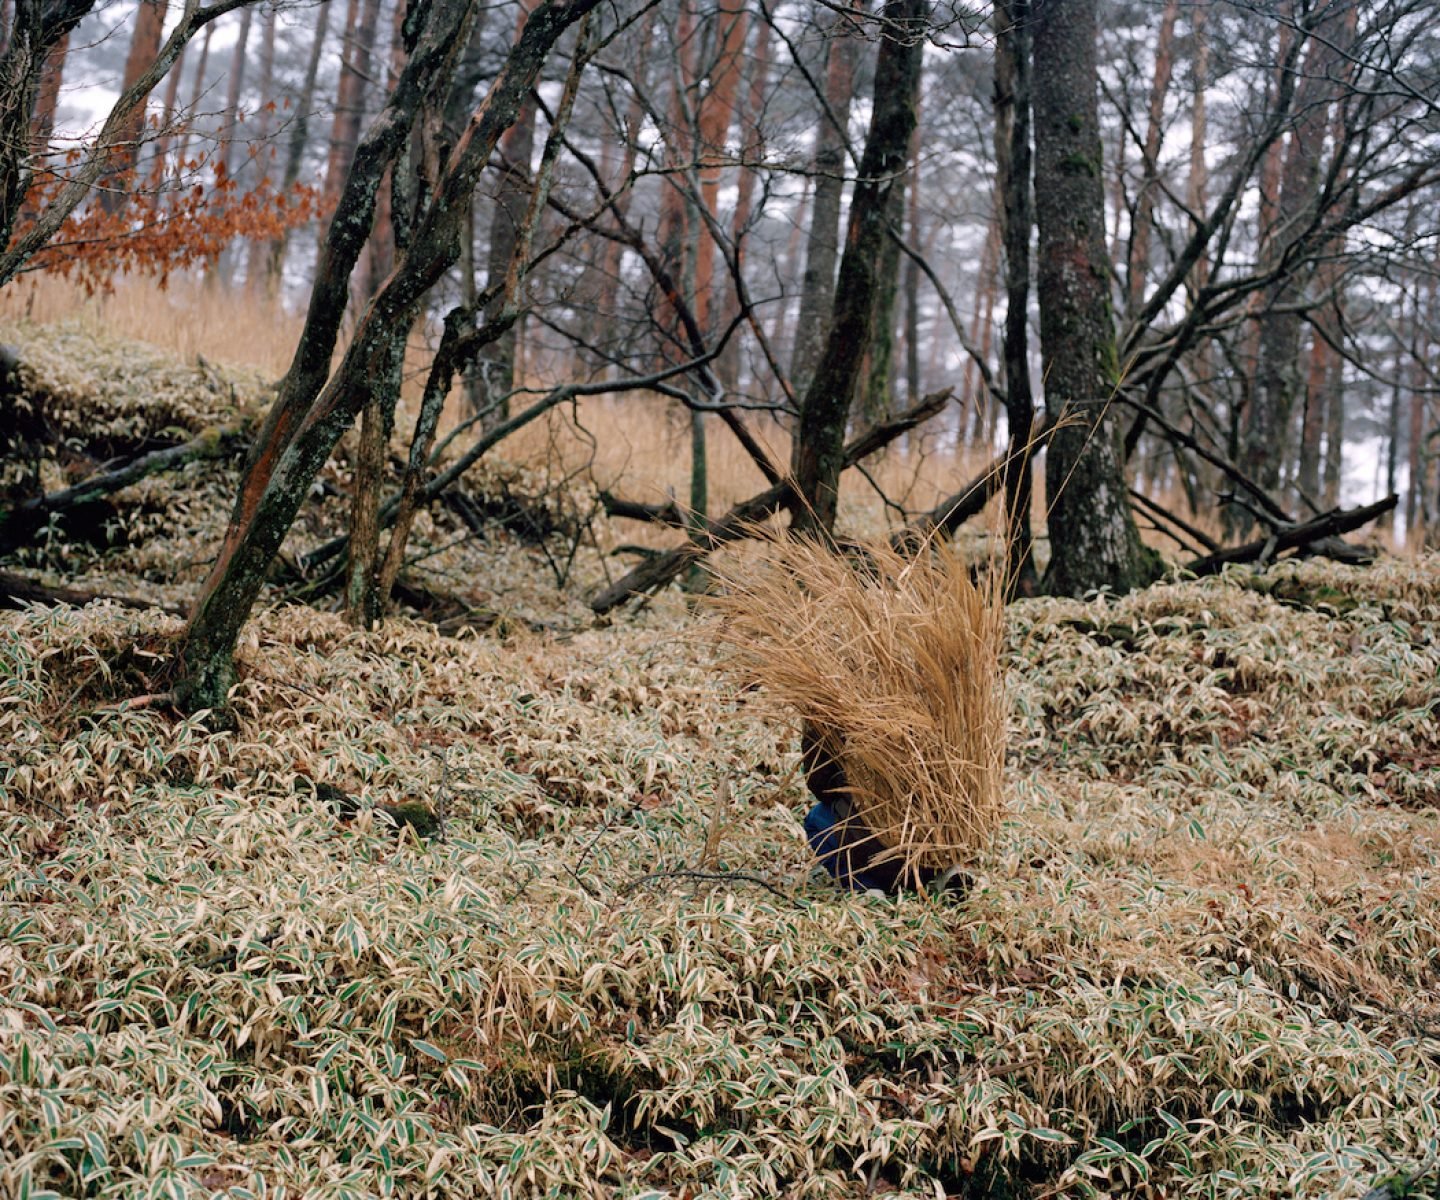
847 850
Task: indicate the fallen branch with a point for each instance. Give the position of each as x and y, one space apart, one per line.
1304 534
741 520
19 524
17 590
952 512
637 510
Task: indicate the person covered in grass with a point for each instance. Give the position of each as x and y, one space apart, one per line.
843 843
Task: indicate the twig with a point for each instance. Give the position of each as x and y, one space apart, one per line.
709 877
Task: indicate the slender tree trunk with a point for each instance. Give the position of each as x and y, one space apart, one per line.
296 145
716 112
197 90
496 368
1093 539
234 93
255 269
365 604
222 269
877 400
913 389
972 400
159 172
1334 406
822 250
818 455
362 19
1017 215
727 367
1198 184
1278 381
1139 260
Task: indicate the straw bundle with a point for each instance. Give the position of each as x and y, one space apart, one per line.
895 667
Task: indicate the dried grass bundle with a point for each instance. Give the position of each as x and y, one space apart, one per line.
895 664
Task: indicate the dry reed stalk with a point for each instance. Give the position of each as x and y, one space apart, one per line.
896 664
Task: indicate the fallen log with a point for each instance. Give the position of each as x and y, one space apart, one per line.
1303 534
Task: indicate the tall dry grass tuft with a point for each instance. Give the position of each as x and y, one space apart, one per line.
895 664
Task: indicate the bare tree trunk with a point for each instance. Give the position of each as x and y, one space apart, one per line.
158 172
197 90
984 291
1334 406
822 249
222 269
1198 184
717 110
1017 215
255 270
876 399
496 368
1093 539
912 281
234 92
1139 259
727 367
818 456
1277 368
364 603
361 23
296 145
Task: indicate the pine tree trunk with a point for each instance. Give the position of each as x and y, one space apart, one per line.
1093 539
144 47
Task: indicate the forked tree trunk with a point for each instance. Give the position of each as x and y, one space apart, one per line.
819 450
316 405
1093 539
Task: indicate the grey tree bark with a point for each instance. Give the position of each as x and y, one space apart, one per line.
1094 542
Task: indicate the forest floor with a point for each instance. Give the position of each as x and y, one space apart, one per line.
1201 957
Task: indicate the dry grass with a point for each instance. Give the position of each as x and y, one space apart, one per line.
896 664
